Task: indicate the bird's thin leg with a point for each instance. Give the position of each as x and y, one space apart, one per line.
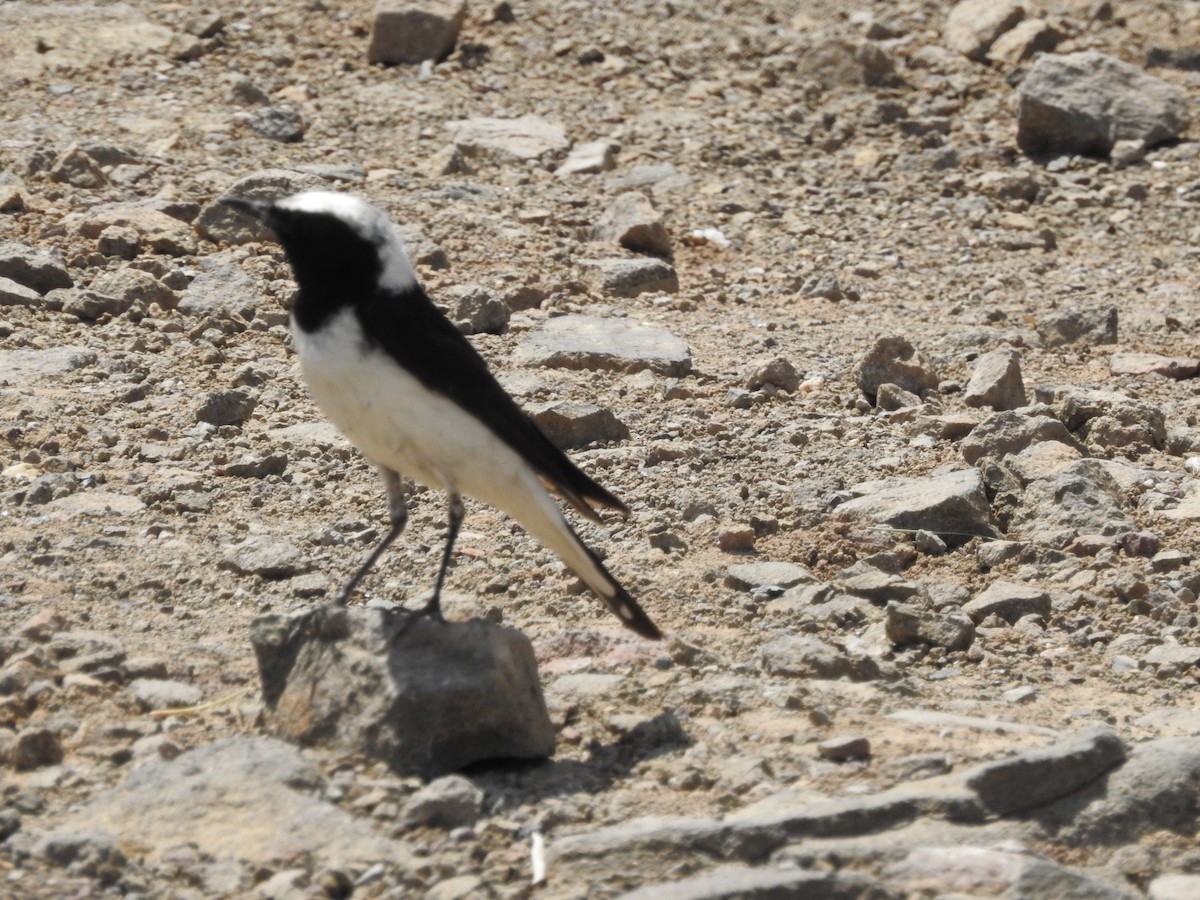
398 513
433 608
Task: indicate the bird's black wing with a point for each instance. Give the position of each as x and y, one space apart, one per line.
409 327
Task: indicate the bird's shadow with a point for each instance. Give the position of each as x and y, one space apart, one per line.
512 782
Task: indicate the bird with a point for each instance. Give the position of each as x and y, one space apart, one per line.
403 385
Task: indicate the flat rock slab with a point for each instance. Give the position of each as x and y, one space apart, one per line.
80 36
591 342
954 505
744 882
527 137
237 799
424 697
19 367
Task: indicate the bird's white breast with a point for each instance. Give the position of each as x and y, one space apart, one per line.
395 420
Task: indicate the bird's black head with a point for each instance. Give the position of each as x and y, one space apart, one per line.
341 249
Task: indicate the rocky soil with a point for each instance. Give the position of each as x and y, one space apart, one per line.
908 421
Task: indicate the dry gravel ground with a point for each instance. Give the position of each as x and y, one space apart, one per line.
128 521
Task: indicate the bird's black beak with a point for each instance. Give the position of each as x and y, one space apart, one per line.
255 209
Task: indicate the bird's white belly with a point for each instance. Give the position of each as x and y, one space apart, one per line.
398 423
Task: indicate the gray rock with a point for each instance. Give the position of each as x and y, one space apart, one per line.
14 294
632 221
85 304
89 853
844 749
892 397
590 342
226 407
76 168
477 309
31 748
758 575
41 270
162 226
422 249
412 31
266 555
220 223
1083 499
278 123
1074 326
996 381
907 624
824 285
746 883
159 693
1111 420
875 584
119 240
631 277
806 656
1157 789
1085 102
778 372
424 697
131 286
893 360
19 367
1174 887
1009 432
1035 778
1175 656
1024 41
588 159
974 25
507 140
222 291
239 798
995 872
569 424
1009 601
953 505
451 801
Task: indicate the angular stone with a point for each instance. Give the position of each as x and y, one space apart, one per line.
1036 778
894 360
953 505
160 693
1085 102
266 555
1073 326
1009 601
1083 499
158 230
806 656
41 270
13 293
226 407
1174 655
31 748
451 801
569 424
527 137
282 124
588 159
220 223
477 309
974 25
844 749
778 372
993 872
632 221
758 575
424 697
1025 41
1008 432
631 277
412 31
74 167
236 799
20 367
1113 420
758 883
222 291
907 624
996 381
131 286
590 342
1178 368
